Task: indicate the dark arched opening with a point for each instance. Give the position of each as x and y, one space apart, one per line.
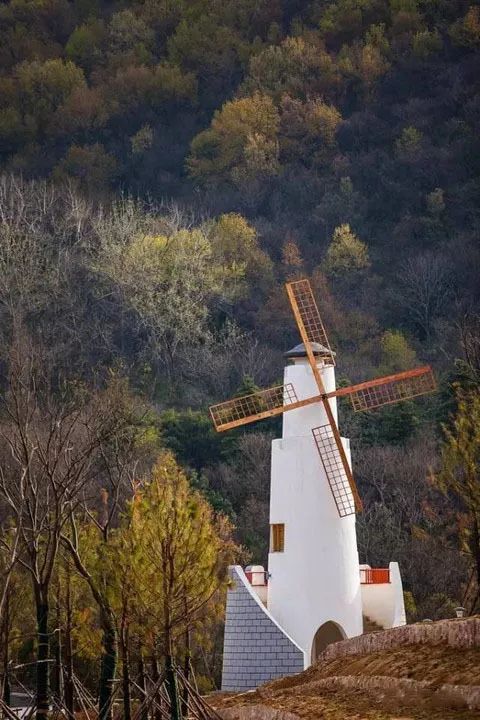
329 632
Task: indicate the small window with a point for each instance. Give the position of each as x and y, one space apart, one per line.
277 543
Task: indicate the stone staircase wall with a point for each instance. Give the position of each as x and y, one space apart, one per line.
256 649
456 633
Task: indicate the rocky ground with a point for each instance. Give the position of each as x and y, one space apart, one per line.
409 682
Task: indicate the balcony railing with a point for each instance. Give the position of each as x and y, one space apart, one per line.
374 576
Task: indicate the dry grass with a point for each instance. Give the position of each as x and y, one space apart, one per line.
316 694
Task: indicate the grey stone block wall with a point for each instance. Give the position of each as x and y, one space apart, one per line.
255 647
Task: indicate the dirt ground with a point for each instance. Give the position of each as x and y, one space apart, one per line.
318 694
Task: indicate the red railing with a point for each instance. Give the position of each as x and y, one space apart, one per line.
374 576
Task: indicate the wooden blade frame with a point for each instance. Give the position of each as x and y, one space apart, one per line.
334 470
305 307
307 316
389 389
257 406
364 396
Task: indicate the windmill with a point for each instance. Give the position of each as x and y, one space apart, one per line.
283 398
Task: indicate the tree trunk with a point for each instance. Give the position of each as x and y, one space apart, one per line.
124 638
5 634
476 555
57 668
68 652
186 672
108 664
171 679
142 681
155 677
43 674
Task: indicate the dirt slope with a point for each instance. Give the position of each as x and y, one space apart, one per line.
403 683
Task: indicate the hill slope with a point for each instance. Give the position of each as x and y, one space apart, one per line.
410 681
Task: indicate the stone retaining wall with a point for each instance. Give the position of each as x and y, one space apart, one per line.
462 633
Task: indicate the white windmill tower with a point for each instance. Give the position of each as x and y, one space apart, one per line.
313 560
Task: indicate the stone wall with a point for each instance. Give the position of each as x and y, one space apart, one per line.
462 633
255 649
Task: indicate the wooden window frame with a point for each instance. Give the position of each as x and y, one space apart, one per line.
277 537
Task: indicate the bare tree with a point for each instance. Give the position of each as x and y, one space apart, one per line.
121 458
9 551
50 439
427 288
470 338
404 517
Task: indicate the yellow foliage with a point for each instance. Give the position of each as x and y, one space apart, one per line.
182 550
322 121
240 143
466 31
235 247
460 470
346 253
397 355
461 452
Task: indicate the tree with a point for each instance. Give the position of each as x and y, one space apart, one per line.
470 339
245 481
409 143
186 550
50 438
17 626
148 266
241 144
123 453
27 210
292 260
236 248
300 67
90 166
129 38
427 288
84 46
346 253
9 555
460 471
308 131
396 353
43 87
191 437
427 43
465 32
405 518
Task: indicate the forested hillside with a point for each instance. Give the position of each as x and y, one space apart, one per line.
168 164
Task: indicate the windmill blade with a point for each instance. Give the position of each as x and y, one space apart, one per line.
307 316
389 389
256 406
327 437
338 472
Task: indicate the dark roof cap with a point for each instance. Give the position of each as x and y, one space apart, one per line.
299 351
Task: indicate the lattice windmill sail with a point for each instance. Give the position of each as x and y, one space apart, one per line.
282 398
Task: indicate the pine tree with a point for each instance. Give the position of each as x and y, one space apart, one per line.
460 474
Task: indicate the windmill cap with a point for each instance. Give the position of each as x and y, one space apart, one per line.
299 351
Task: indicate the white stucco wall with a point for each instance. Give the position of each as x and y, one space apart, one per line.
316 578
383 603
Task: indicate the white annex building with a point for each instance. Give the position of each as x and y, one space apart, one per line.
314 592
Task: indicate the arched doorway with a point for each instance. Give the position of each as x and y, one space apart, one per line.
329 632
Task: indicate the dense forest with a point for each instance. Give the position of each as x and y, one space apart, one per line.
167 166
